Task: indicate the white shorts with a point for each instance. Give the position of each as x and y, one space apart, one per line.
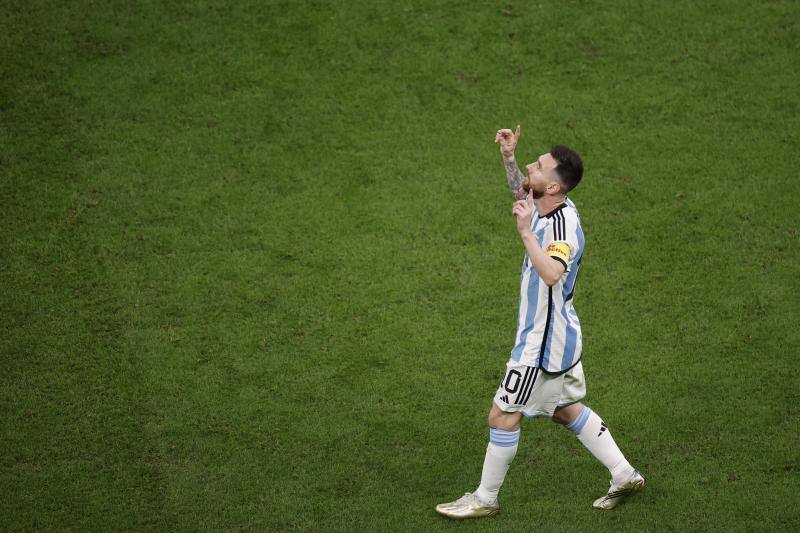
535 393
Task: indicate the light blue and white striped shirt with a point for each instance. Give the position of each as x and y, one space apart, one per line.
548 330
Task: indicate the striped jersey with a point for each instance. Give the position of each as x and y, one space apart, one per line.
548 330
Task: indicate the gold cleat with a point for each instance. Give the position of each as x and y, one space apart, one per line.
468 506
618 493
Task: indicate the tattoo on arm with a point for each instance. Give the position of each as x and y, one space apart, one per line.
515 178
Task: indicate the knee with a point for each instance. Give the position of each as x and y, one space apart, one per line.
502 420
559 418
496 417
565 415
492 419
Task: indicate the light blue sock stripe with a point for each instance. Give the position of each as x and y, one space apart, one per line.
501 437
577 425
504 439
577 418
582 422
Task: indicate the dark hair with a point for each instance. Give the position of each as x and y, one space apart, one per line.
569 168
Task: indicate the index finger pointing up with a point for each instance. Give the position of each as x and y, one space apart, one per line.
516 133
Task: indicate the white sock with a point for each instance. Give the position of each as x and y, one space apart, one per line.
594 434
499 453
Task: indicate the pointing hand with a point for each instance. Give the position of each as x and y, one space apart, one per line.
507 141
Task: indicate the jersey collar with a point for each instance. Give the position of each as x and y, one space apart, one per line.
554 211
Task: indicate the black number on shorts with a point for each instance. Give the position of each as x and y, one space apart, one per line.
517 377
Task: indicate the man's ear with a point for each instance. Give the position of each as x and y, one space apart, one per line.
557 186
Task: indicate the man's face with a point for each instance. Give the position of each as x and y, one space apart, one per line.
541 176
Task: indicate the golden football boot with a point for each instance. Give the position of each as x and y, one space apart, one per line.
468 506
617 493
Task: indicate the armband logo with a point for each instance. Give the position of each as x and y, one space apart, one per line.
559 249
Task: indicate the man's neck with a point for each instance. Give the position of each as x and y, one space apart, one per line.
546 204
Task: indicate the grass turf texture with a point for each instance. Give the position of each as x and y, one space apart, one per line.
259 268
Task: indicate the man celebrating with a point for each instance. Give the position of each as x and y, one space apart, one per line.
544 376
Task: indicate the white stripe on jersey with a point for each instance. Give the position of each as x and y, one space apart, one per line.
548 328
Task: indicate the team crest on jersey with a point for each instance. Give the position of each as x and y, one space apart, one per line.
559 249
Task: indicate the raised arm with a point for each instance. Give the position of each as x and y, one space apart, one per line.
515 178
508 142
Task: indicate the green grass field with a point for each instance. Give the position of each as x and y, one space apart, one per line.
259 269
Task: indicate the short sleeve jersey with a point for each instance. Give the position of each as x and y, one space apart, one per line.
548 330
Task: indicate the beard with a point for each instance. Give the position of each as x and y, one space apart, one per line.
535 194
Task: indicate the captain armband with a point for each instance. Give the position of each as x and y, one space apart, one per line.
559 251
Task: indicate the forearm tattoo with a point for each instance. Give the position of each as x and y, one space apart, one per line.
515 178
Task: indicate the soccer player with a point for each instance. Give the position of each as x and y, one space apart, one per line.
544 376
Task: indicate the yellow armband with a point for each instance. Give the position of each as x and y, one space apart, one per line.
559 250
